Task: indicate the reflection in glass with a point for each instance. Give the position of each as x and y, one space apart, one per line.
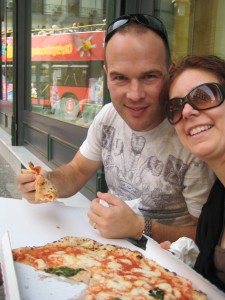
6 64
67 60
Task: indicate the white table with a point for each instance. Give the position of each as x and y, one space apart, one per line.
38 224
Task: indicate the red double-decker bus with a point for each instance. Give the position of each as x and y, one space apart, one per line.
65 66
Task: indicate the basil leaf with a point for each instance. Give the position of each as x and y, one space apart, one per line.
63 271
157 293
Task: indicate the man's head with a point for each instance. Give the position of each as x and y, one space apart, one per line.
144 20
137 58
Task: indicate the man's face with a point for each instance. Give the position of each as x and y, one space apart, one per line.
135 68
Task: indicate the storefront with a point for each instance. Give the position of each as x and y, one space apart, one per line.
52 80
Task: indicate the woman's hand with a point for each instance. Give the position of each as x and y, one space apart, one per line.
165 245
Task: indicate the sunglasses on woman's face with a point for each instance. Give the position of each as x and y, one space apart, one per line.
143 19
202 97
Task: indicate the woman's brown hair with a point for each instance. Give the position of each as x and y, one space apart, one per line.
210 63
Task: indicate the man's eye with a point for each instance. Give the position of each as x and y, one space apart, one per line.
149 76
119 77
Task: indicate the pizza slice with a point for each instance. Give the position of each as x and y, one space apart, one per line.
110 272
44 188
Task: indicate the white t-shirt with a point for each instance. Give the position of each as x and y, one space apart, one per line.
152 165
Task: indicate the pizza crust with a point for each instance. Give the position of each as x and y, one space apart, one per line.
27 171
197 295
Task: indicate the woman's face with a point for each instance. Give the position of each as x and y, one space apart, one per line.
202 132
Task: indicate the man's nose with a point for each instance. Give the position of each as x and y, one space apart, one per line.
135 91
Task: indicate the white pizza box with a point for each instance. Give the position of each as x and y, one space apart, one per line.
34 225
9 274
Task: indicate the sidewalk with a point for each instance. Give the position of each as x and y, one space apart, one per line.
8 183
12 158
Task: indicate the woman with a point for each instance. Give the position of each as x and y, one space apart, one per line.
196 92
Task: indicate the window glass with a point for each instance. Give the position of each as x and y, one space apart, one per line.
7 58
67 59
192 32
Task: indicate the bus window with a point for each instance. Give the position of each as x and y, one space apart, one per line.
7 82
40 87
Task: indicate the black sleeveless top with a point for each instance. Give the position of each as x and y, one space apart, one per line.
209 230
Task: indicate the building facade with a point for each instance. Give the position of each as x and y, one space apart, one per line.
51 66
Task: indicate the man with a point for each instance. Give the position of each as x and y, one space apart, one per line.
140 151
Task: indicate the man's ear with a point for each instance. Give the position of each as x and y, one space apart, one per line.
105 69
172 66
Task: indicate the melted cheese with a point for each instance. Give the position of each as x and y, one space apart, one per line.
177 293
165 286
139 292
126 261
142 283
39 264
147 272
114 265
83 261
121 284
69 260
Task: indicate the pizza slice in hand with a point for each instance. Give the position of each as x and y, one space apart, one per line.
44 188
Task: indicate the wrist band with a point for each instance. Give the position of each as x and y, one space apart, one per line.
148 227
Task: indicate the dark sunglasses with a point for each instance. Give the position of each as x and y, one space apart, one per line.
202 97
145 20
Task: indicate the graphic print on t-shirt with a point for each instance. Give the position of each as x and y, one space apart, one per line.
134 170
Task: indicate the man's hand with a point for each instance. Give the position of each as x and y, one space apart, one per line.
116 221
26 186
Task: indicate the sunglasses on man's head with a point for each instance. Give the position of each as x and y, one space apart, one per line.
145 20
202 97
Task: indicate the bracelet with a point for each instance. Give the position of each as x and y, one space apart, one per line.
147 230
148 227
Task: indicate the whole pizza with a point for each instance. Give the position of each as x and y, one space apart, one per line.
110 272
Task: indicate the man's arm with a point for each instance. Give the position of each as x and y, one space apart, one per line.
120 221
162 232
68 179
